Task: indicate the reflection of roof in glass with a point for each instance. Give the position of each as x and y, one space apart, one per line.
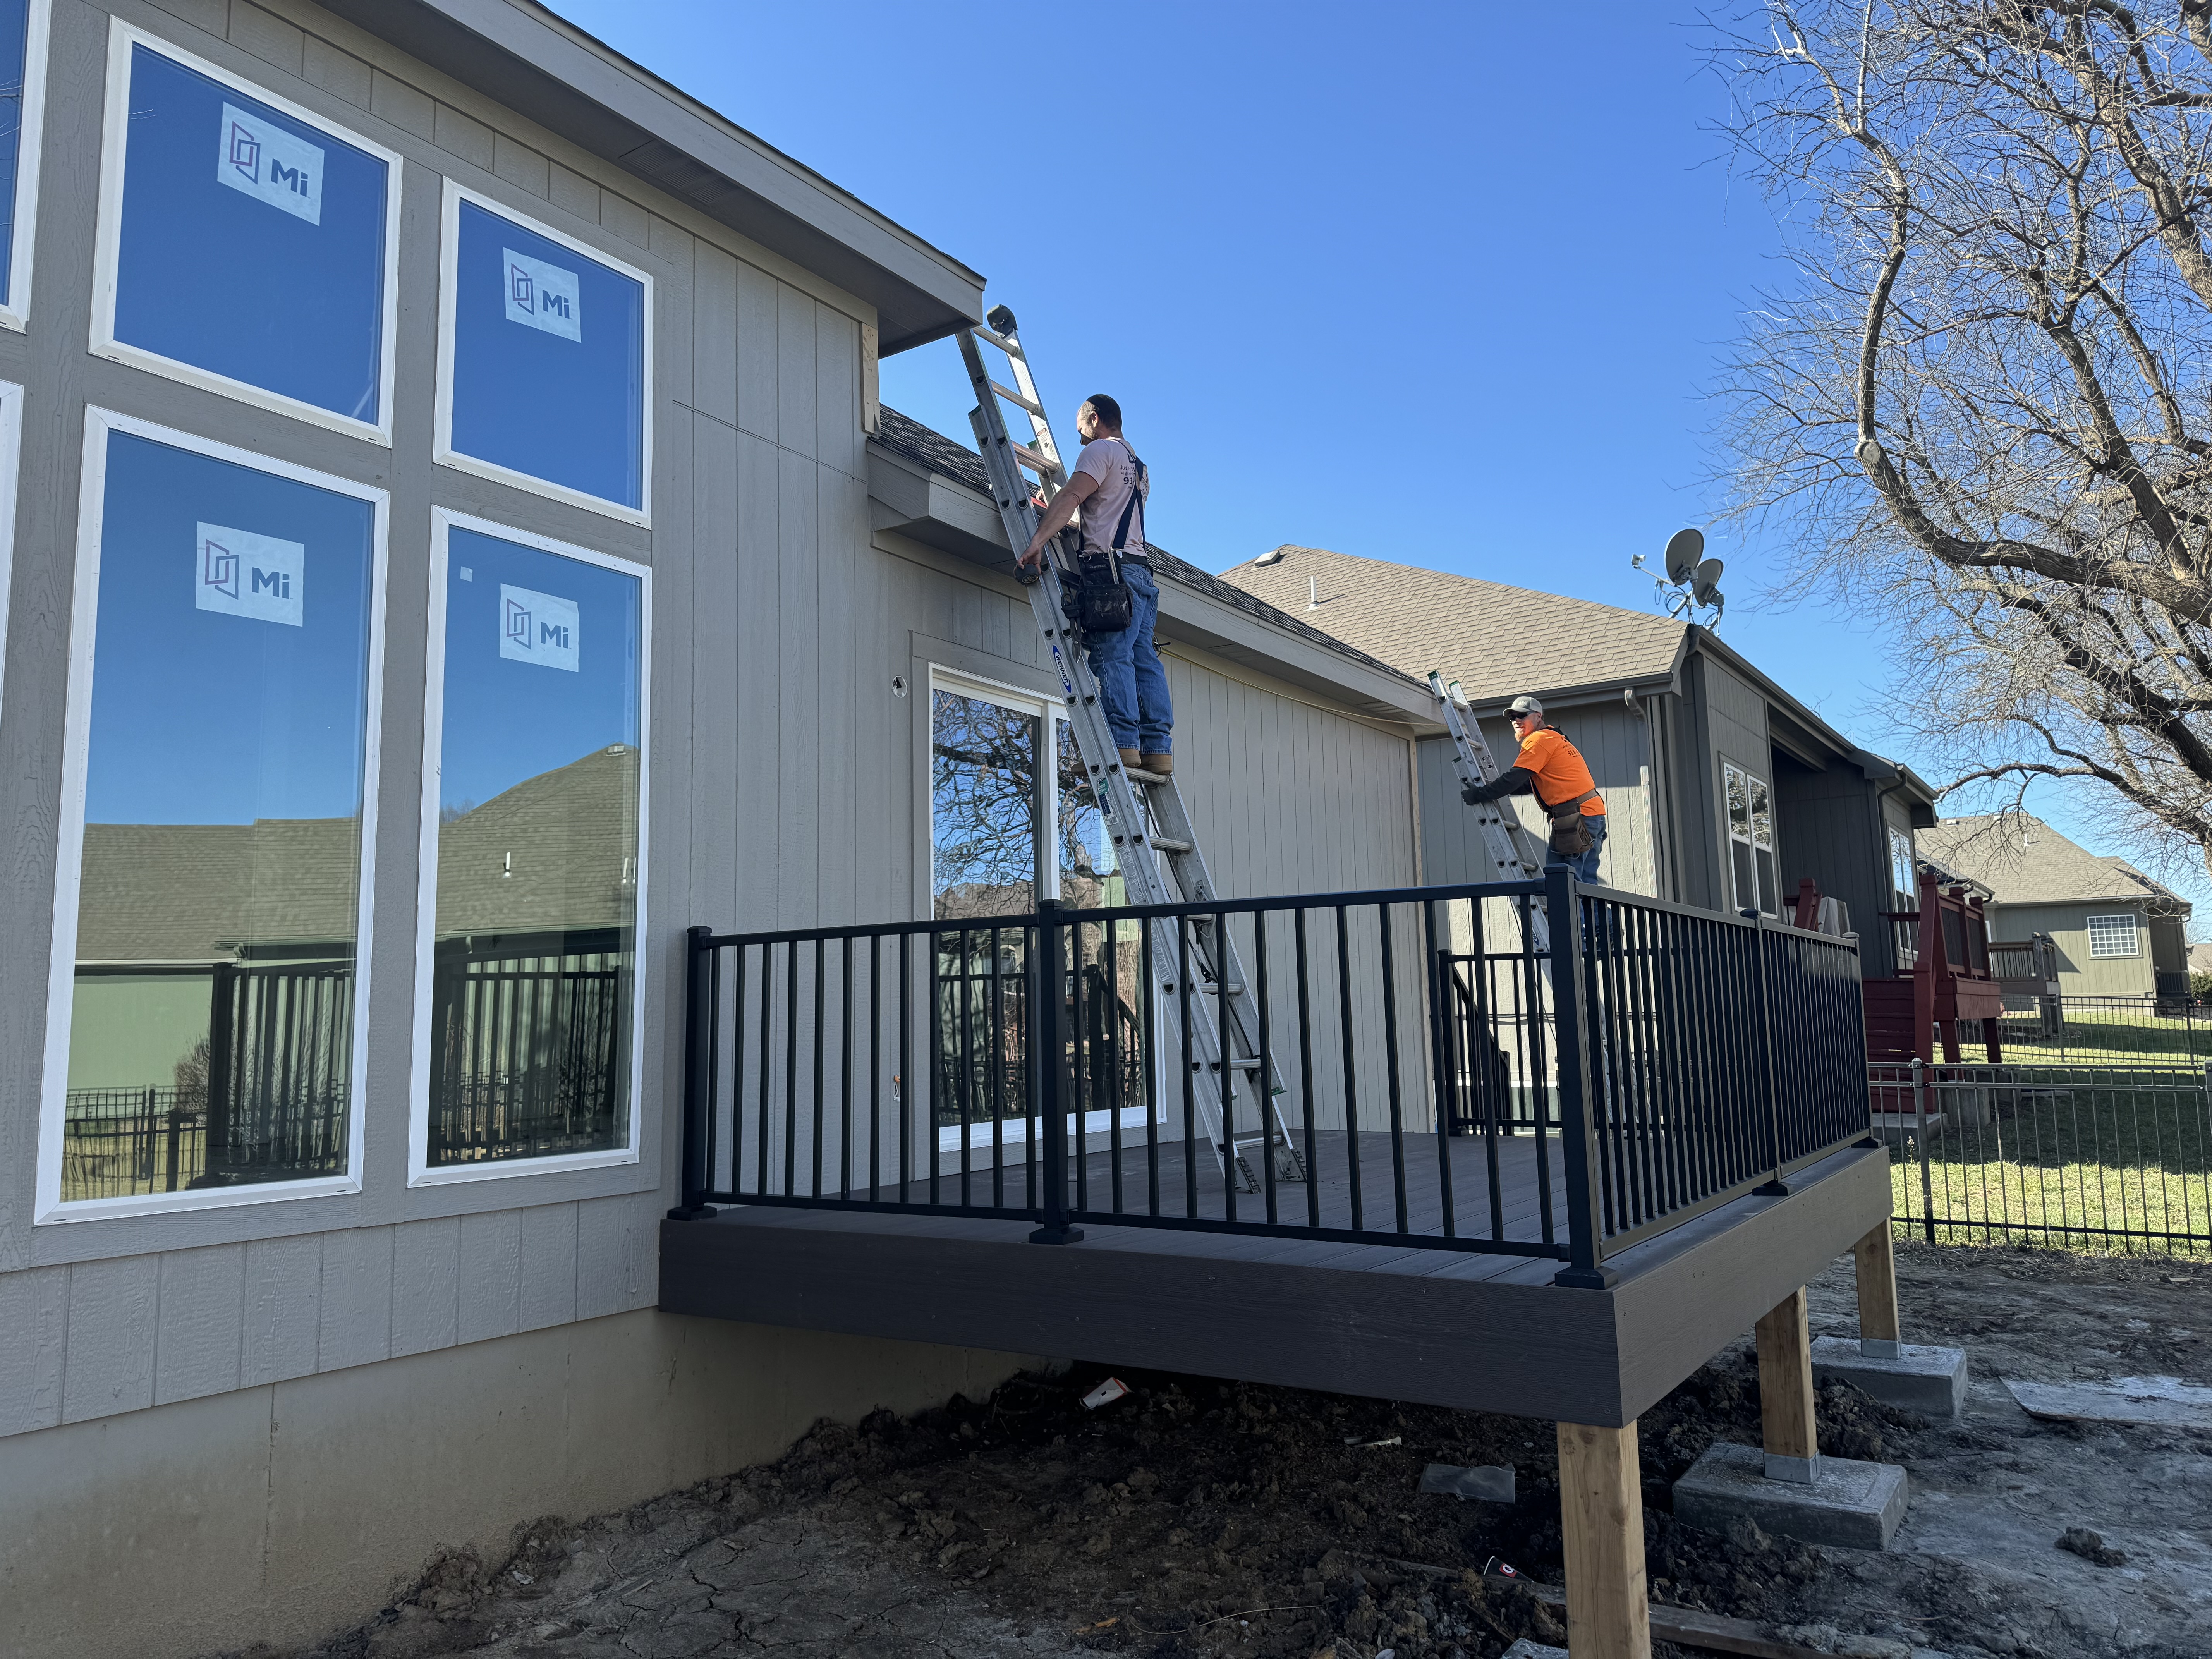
207 892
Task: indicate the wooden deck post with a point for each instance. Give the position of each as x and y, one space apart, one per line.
1601 1516
1786 1392
1875 1257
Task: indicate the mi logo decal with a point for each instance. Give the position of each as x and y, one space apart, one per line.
541 296
539 628
258 158
236 572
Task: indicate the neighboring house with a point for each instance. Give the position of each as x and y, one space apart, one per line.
1723 790
2119 933
471 554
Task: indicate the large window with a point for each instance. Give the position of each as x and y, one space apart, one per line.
2113 936
544 350
533 848
219 795
1750 839
245 244
23 29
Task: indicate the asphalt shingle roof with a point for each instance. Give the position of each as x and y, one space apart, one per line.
903 436
2023 861
1496 641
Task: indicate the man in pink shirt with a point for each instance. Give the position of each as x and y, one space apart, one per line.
1110 485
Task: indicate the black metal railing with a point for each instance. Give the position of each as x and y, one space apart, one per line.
1432 1080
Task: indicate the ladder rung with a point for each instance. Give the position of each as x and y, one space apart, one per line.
1036 463
1166 845
1137 775
1015 399
1203 988
998 340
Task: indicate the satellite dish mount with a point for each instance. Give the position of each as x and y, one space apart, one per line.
1691 583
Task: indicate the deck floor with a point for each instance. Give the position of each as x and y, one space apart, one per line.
1467 1186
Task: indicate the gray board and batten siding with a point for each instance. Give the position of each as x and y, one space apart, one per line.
788 782
759 475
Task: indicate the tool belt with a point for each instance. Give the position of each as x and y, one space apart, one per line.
1569 838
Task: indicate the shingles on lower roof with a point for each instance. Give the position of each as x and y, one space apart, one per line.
1496 641
2023 861
903 436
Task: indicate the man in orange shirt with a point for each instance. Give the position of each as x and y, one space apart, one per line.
1551 769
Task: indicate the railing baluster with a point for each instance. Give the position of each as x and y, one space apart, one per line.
1390 1038
1306 1072
1351 1075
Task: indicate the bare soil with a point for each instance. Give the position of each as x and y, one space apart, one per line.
1199 1518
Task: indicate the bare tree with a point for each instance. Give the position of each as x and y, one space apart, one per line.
1980 407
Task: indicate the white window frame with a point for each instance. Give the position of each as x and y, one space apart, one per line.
2135 932
11 466
107 246
420 1172
38 29
1905 935
449 267
48 1208
1728 839
1015 1131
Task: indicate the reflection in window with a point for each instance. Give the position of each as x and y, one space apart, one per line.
14 90
211 1030
1751 840
534 941
1904 889
549 360
251 243
984 811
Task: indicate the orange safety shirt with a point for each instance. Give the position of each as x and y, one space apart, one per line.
1561 772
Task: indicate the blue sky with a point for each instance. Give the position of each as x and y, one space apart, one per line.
1441 284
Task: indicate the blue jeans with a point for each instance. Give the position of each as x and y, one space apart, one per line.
1585 868
1133 687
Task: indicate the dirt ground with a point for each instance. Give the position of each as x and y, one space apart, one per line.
1197 1518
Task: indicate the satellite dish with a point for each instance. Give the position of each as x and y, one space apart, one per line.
1704 587
1684 548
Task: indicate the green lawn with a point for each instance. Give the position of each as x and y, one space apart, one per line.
2104 1036
2100 1165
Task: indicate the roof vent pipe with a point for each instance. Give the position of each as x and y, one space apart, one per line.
1313 592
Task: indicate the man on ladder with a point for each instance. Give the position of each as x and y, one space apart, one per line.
1551 769
1110 485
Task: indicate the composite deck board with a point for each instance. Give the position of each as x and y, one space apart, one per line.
1518 1216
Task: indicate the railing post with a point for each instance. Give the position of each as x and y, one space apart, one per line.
1570 1052
1051 971
1920 1133
1774 1186
698 1071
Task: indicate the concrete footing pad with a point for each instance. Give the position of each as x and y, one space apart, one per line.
1929 1380
1855 1505
1525 1649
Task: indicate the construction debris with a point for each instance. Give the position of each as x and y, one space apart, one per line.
2091 1546
1105 1393
2167 1401
1488 1483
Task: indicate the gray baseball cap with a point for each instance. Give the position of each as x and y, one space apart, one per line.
1524 706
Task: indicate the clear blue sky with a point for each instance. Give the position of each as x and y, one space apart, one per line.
1444 284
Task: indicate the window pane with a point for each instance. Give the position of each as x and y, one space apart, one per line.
1089 876
983 807
1762 816
14 30
252 244
549 361
2112 936
534 944
1738 802
211 1024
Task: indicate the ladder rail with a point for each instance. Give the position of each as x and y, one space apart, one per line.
1503 838
1145 818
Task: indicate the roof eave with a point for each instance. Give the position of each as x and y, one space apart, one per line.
534 61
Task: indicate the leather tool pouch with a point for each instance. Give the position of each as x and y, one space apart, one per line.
1569 838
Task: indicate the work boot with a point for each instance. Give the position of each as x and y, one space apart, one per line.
1129 758
1161 764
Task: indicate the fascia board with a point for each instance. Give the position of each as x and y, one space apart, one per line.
526 58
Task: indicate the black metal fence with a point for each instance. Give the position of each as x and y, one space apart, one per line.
2104 1157
1434 1080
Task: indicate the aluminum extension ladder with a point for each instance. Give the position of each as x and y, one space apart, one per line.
1511 847
1155 845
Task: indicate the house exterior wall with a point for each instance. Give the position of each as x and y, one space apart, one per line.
1613 739
1833 827
2080 974
788 787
